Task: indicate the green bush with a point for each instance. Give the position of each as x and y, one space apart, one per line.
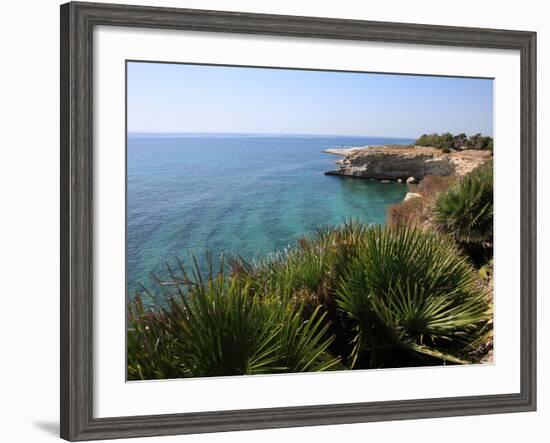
411 296
218 327
465 211
151 348
446 142
349 297
312 265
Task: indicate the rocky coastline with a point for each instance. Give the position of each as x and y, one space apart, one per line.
405 163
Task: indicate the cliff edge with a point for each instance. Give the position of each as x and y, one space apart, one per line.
393 162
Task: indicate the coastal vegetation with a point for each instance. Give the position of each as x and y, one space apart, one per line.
458 207
418 211
415 292
448 141
351 297
465 211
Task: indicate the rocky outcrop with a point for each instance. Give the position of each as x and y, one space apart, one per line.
403 162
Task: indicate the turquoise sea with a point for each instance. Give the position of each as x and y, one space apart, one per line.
237 194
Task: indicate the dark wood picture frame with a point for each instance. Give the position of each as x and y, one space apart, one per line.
77 23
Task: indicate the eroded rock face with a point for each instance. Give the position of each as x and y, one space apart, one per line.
393 163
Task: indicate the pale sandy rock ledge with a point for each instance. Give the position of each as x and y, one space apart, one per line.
394 162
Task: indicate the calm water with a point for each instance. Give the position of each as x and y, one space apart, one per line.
246 195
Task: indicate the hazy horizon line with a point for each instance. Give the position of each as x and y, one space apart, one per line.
303 134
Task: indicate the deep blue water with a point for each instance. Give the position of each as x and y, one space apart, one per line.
246 195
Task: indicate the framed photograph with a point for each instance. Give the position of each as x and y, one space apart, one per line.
273 221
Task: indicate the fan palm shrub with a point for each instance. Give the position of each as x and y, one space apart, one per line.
313 264
310 273
392 264
465 211
220 326
304 340
151 348
412 298
220 330
349 297
289 270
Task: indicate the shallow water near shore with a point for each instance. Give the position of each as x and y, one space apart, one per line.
238 194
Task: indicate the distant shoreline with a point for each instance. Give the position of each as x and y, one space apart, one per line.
260 134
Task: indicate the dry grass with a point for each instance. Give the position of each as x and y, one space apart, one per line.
432 185
412 212
417 211
305 309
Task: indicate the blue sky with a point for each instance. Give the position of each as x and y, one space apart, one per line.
182 98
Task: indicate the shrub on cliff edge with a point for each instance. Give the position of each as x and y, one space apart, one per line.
218 327
411 296
448 141
418 211
465 211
